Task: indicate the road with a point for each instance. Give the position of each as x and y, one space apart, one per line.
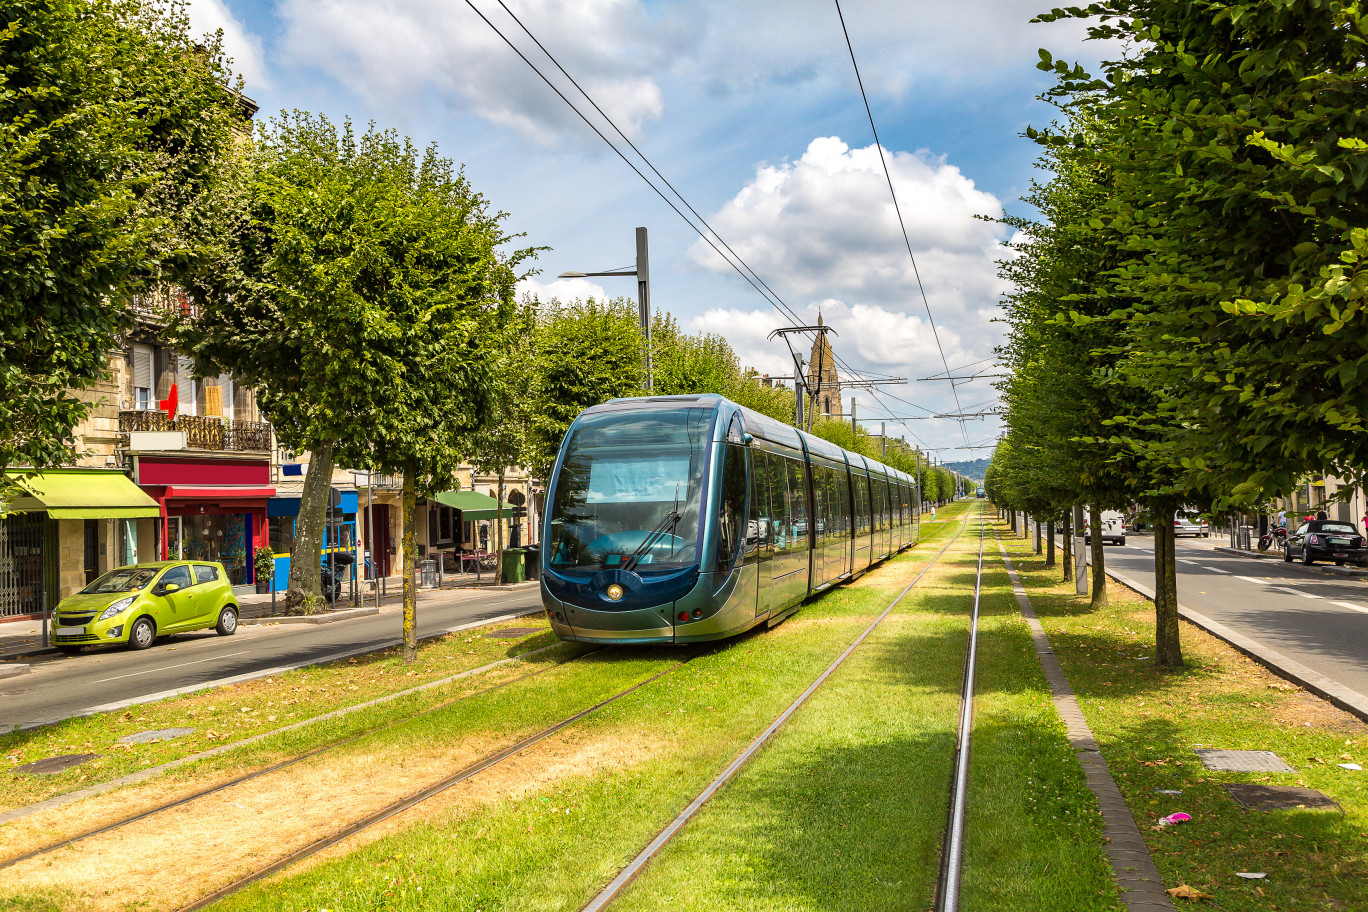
1314 617
59 687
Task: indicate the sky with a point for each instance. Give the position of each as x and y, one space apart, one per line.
752 111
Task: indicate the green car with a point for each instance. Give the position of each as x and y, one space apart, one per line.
139 603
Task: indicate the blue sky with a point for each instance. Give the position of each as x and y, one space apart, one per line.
752 111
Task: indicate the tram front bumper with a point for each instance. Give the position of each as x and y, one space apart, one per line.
586 625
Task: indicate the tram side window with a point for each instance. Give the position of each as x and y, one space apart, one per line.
880 503
862 504
759 528
797 501
781 530
843 502
731 506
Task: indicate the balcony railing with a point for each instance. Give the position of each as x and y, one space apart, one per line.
161 304
201 432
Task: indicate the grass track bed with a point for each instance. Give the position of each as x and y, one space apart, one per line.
1148 721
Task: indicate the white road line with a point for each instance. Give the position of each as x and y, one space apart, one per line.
1290 591
1250 579
134 674
1214 569
1352 606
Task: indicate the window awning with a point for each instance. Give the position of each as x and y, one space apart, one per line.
83 494
472 504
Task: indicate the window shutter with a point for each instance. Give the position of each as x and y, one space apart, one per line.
185 385
142 367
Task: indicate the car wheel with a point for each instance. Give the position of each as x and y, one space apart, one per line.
227 623
1287 554
1307 559
1121 541
143 634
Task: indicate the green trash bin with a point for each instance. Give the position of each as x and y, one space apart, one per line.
514 568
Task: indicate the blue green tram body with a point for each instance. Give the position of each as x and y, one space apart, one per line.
680 519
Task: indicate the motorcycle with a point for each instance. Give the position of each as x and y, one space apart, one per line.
333 576
1275 536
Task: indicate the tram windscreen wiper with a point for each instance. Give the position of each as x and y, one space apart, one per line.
661 528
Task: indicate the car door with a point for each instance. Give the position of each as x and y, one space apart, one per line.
209 591
179 610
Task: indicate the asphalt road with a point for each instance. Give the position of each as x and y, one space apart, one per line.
59 687
1314 617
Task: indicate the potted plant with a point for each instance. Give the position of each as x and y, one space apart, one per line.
264 564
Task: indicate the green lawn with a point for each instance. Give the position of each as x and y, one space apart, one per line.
1148 721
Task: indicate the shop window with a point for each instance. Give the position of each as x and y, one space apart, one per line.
221 538
281 534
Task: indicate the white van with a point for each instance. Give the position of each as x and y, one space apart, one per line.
1113 528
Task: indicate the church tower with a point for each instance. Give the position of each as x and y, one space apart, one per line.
822 380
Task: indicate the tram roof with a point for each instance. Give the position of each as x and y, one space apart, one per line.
760 426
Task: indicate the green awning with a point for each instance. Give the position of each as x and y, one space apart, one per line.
83 494
473 505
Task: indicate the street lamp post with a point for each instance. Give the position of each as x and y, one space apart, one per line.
642 273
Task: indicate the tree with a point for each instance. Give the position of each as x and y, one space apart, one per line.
114 126
362 294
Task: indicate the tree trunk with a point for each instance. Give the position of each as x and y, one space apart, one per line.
498 529
1099 560
304 592
1168 650
410 568
1068 543
1049 545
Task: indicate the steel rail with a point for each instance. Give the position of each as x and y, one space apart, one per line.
952 850
416 798
291 761
635 866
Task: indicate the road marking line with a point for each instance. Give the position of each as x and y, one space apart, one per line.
134 674
1351 605
1290 591
1214 569
1250 579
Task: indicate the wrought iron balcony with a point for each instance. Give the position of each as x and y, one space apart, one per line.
162 304
201 432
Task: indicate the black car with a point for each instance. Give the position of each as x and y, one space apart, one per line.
1325 539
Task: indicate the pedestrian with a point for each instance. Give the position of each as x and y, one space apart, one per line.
1282 519
1321 514
1365 522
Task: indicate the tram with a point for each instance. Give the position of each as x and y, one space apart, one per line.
680 519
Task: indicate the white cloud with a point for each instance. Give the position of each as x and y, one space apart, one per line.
825 226
394 50
564 290
207 17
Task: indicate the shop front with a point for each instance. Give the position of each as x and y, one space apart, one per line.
281 515
211 509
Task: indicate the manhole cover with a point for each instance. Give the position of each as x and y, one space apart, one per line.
49 765
511 632
1279 797
1236 761
158 734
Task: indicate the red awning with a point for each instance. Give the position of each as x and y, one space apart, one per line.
218 492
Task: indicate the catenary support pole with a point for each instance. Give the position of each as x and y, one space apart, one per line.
1079 553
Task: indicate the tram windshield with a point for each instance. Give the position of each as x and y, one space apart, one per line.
629 492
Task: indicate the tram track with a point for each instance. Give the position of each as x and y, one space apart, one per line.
468 771
290 761
609 893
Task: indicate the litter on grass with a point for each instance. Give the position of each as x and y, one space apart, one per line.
1251 875
1173 819
1350 766
1169 791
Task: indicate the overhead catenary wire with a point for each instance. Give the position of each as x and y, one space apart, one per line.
898 210
734 260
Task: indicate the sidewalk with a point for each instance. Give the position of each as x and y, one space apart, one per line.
22 638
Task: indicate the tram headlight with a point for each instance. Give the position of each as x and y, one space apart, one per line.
614 592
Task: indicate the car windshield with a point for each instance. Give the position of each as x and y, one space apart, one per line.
125 579
1337 528
630 479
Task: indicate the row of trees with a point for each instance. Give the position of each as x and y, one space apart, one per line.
358 283
1188 330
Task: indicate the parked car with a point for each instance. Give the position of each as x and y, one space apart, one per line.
1113 528
1325 539
1196 528
138 603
